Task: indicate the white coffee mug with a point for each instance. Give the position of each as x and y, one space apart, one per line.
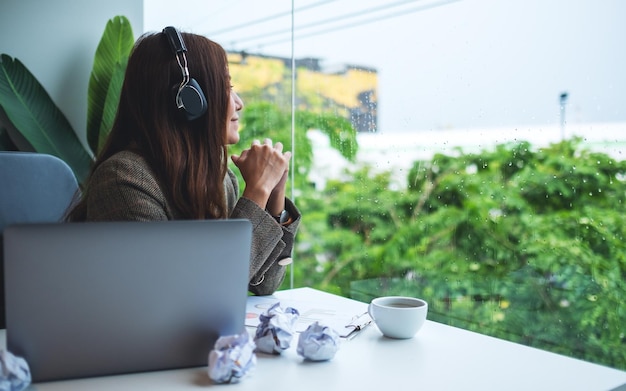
398 317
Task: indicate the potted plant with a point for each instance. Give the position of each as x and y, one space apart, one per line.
31 121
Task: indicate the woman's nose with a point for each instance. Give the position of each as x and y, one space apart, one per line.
238 102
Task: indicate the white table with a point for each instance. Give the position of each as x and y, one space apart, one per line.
440 357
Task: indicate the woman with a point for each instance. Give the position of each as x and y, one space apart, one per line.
159 163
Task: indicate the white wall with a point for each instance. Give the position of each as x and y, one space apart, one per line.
57 39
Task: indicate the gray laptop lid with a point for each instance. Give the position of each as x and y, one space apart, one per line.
89 299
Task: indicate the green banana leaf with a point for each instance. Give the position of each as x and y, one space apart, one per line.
34 115
107 75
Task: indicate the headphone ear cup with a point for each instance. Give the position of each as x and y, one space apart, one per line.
193 100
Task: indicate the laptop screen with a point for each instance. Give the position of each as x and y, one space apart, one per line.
88 299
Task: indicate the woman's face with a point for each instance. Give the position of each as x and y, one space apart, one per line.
234 107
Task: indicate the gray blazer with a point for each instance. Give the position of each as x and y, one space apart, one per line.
124 188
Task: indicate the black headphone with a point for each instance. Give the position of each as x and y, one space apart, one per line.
189 97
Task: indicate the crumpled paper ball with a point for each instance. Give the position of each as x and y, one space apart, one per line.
232 358
15 374
276 329
318 343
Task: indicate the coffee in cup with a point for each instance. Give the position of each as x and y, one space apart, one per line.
398 317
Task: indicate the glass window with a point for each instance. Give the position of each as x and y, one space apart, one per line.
471 153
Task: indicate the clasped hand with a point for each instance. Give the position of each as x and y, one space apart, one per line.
264 167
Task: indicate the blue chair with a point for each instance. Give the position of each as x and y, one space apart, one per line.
34 188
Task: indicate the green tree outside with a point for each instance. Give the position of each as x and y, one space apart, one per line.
515 243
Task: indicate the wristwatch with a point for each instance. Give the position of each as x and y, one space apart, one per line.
282 218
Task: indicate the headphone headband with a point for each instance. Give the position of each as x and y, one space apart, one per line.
175 39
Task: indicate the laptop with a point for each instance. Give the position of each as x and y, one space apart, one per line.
92 299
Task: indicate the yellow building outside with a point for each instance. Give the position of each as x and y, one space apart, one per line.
350 92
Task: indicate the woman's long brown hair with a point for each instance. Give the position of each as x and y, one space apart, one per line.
189 157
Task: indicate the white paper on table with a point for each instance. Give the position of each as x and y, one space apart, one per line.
344 319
